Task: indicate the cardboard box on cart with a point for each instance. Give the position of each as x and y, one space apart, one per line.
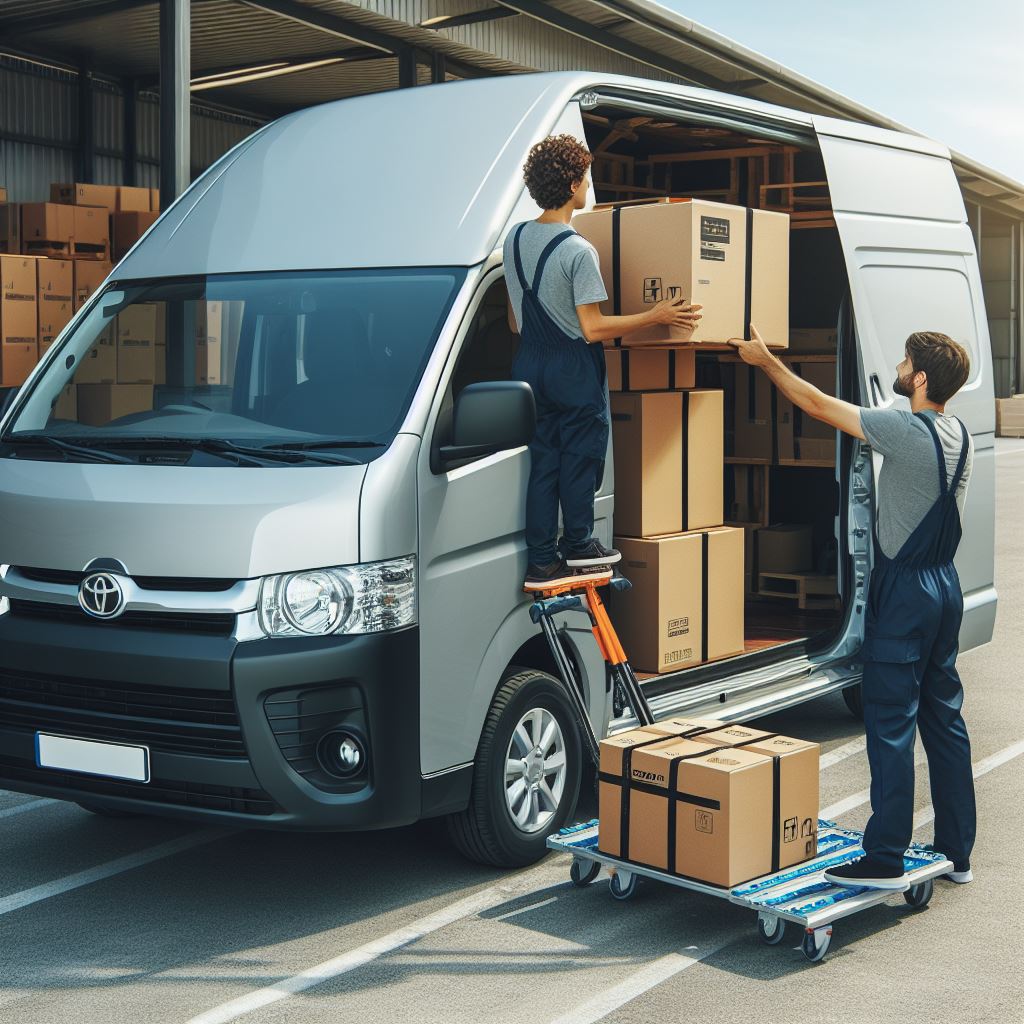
696 250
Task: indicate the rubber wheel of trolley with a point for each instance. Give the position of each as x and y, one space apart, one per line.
854 701
919 895
526 776
582 874
106 812
811 950
772 931
622 891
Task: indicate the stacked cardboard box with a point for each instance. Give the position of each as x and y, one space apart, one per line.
19 323
732 260
55 289
651 369
718 803
1010 416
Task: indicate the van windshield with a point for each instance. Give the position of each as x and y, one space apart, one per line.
247 369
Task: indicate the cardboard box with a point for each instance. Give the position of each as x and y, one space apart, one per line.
752 423
136 342
208 342
1010 416
78 194
154 199
747 494
785 548
686 604
88 276
615 759
131 197
813 339
66 406
697 250
3 194
55 283
127 229
19 324
99 364
46 224
10 228
98 404
651 369
91 228
802 438
668 449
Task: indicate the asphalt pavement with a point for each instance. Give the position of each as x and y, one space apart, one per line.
146 920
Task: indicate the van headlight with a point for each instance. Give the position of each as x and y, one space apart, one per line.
371 598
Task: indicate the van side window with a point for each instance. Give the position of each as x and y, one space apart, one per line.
490 347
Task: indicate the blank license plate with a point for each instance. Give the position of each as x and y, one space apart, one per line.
112 760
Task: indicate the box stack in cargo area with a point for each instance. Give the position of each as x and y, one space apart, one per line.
714 802
60 254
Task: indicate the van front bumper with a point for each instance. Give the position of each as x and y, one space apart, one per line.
231 727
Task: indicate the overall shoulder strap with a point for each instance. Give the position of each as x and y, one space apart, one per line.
518 258
943 476
548 250
965 447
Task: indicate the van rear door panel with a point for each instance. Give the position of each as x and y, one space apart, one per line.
912 265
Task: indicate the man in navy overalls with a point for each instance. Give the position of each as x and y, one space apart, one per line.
555 290
915 604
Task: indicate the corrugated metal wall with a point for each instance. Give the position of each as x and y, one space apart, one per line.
39 136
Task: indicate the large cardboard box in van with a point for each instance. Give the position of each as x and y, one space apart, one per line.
55 282
686 604
651 369
696 250
19 325
136 341
98 404
668 461
801 438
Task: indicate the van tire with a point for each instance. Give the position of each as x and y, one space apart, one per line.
485 832
854 701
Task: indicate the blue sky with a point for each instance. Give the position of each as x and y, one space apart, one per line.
953 71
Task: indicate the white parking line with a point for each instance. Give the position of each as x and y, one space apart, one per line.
848 803
32 805
524 910
25 897
838 754
484 900
648 977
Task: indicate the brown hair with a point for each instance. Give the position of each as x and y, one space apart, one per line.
551 168
943 360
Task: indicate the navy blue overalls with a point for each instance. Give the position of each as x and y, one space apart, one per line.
915 606
568 450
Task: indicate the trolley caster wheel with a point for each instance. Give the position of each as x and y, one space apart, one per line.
918 895
583 872
816 943
770 929
622 885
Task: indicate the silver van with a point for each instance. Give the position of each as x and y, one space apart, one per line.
280 586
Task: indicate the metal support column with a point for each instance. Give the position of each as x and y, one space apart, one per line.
175 27
130 124
407 76
437 68
86 133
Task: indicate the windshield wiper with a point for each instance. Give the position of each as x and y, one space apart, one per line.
341 442
243 454
67 448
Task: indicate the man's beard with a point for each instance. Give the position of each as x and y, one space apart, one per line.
903 386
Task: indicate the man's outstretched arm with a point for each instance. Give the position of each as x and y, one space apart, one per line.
844 416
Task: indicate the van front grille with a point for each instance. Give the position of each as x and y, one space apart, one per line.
211 624
72 577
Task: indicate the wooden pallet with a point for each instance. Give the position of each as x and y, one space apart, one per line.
810 590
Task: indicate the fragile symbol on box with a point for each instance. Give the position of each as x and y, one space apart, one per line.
679 627
789 830
652 289
704 822
808 828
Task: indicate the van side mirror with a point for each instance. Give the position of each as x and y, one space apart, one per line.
490 417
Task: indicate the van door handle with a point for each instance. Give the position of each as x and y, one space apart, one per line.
876 390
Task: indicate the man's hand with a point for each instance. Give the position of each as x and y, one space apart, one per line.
755 352
677 313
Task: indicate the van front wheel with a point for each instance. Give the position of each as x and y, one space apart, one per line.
527 773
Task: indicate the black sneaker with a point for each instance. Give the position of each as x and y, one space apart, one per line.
595 553
961 873
864 871
554 574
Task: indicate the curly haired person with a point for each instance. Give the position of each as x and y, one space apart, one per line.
555 290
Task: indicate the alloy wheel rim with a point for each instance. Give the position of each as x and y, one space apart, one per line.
535 770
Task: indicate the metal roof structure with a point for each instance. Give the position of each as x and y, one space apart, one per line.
267 57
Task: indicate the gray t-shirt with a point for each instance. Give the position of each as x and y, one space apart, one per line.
572 275
908 483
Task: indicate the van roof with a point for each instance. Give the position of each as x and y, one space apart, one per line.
426 176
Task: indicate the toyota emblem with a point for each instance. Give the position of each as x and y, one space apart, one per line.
100 595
